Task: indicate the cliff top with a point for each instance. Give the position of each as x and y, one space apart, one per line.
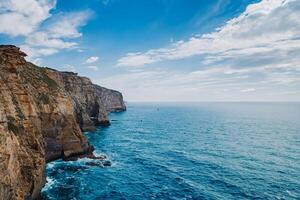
11 55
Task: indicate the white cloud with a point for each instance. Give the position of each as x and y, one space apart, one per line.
136 59
69 68
257 30
248 90
43 39
92 59
93 68
35 54
21 17
60 28
212 84
220 83
45 34
251 57
66 25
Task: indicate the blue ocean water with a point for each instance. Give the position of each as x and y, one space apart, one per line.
189 151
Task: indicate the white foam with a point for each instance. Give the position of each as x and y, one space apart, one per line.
49 184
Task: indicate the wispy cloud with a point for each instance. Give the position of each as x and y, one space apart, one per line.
58 33
248 90
44 39
66 25
22 17
69 68
252 56
44 33
91 59
92 67
264 27
212 84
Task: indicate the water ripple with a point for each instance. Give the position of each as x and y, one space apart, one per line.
200 151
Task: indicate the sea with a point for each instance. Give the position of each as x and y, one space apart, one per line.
185 151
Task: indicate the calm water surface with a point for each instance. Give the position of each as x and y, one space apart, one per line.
189 151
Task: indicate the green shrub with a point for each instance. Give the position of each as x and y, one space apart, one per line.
50 82
44 99
13 126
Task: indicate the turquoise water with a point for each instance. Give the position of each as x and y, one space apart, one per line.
189 151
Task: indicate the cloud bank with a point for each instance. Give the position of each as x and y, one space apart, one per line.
265 27
21 17
256 52
44 33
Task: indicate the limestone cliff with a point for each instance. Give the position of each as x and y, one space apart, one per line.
42 115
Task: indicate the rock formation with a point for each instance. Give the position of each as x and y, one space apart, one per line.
42 115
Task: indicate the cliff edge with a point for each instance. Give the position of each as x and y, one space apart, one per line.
42 115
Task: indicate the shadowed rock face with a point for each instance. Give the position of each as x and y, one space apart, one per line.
42 115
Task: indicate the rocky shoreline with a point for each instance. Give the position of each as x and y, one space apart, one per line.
43 113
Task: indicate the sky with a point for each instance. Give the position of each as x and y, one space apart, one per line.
165 50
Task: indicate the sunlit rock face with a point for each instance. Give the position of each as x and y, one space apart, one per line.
42 115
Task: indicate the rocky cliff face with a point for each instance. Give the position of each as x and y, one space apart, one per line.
42 115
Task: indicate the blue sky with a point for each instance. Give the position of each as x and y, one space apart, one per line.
165 50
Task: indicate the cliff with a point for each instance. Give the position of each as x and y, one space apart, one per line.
42 115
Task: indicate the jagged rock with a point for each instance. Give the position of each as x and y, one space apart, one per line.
106 163
94 164
42 115
11 56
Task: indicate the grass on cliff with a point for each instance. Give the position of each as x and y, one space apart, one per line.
44 99
37 74
17 107
50 82
13 126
